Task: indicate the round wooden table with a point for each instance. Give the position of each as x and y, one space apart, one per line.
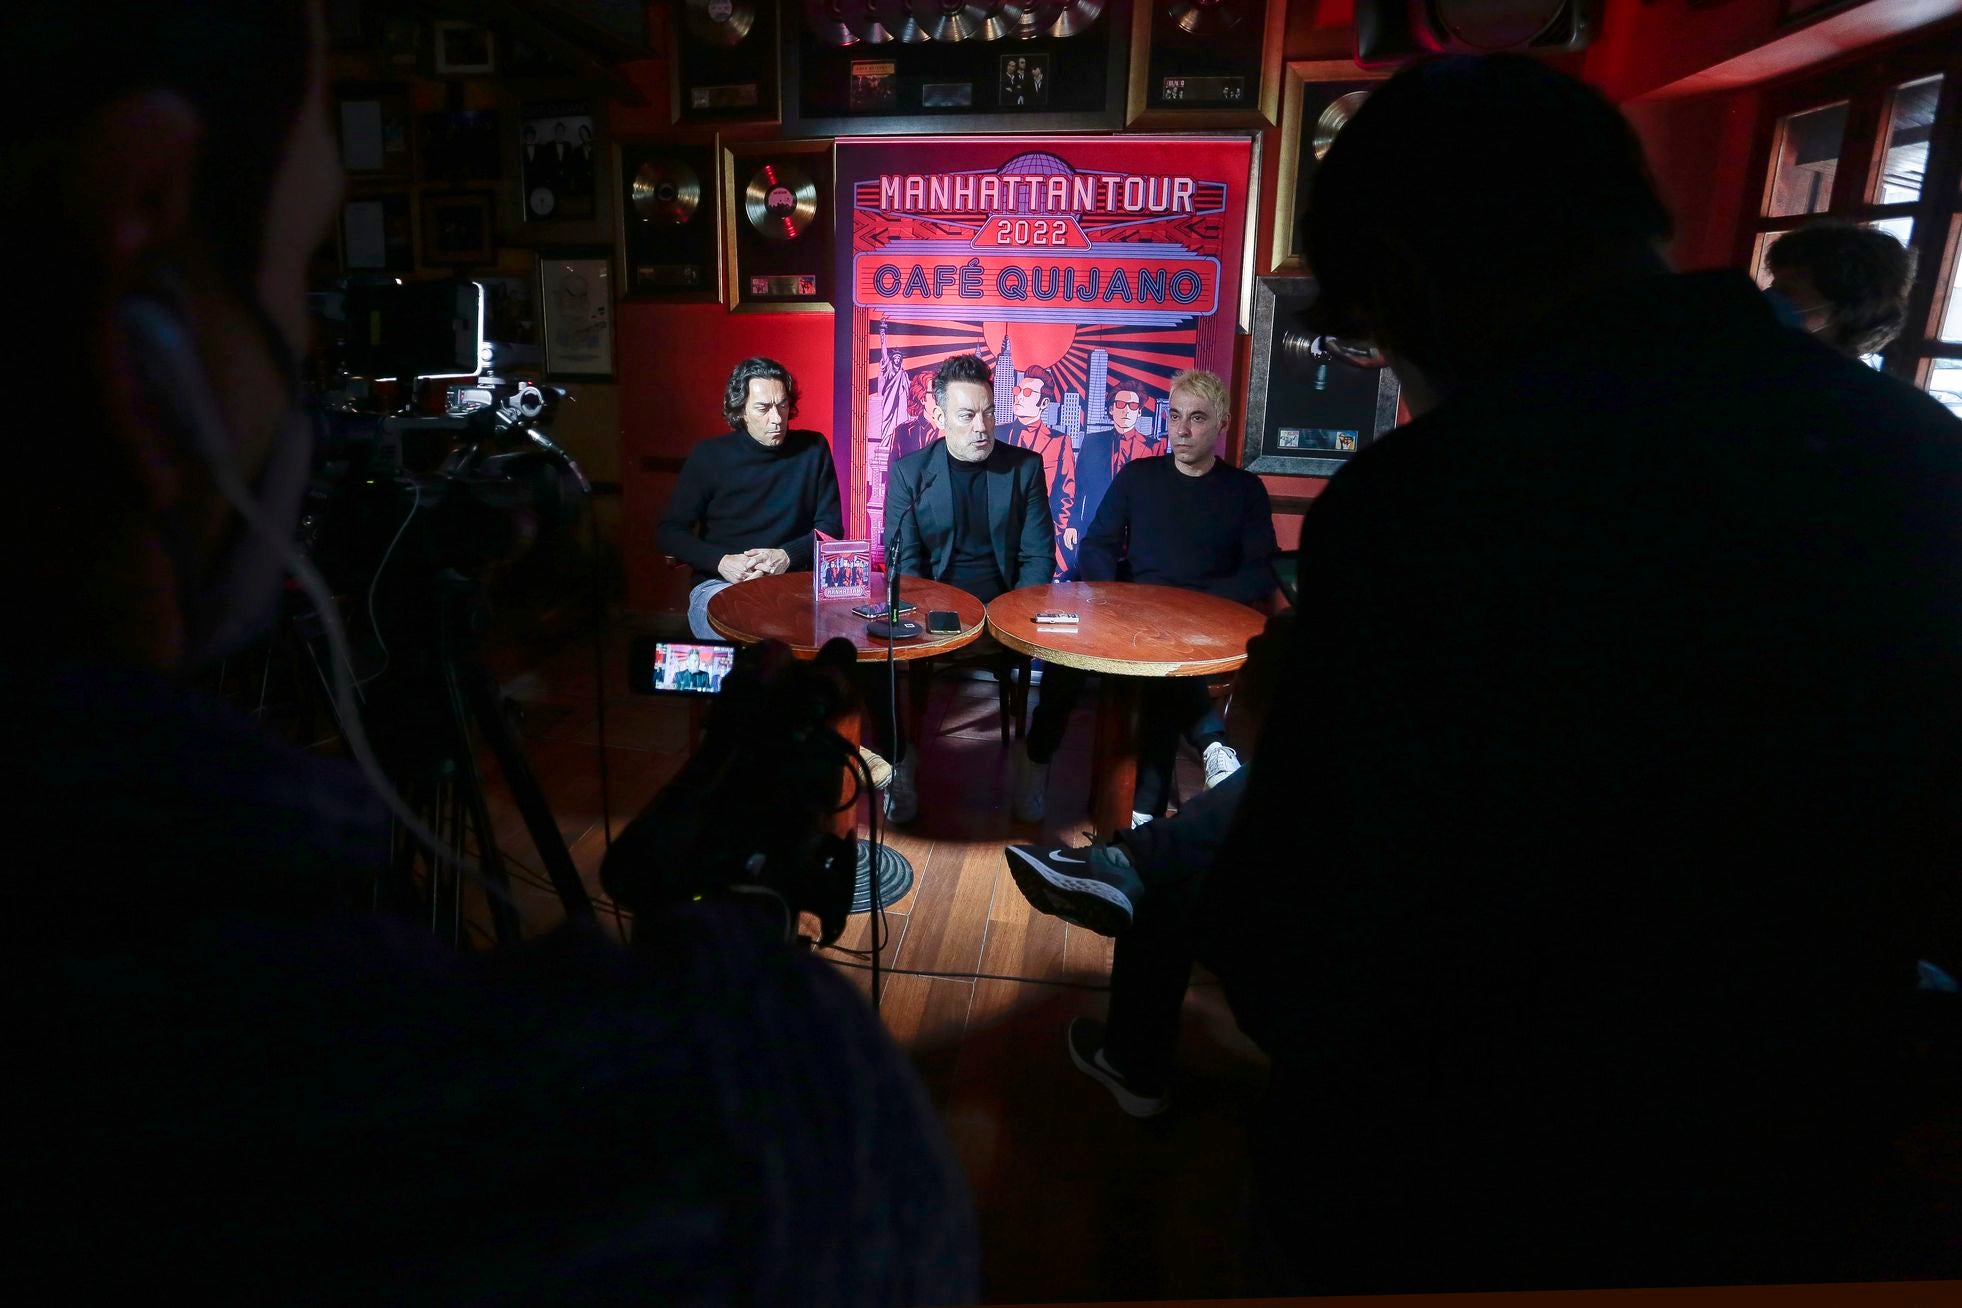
1125 631
782 608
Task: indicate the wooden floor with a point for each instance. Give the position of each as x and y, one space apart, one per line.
1076 1200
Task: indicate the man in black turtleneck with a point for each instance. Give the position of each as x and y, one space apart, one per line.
748 500
968 510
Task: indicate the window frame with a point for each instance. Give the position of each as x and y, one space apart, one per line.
1867 87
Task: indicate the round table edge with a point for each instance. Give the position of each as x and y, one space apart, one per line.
1114 667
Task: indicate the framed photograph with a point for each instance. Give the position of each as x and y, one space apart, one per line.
401 43
378 232
462 49
575 300
1024 81
1306 415
558 162
1317 98
459 228
461 146
375 130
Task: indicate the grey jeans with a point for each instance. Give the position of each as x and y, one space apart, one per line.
698 607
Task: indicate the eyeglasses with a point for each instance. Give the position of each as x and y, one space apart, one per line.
1125 404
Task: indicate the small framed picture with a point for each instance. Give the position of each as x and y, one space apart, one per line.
461 146
459 228
375 130
557 162
378 232
1024 82
575 298
875 85
463 49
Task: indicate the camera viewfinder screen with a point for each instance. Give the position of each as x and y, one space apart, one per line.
698 669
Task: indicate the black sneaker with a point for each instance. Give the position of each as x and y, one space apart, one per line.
1087 1052
1096 888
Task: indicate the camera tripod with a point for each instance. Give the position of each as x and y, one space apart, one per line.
425 714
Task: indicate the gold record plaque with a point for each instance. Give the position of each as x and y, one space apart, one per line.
725 60
1207 62
779 225
669 246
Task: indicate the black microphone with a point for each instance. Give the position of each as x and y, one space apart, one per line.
891 627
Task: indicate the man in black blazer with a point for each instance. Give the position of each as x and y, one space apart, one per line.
967 510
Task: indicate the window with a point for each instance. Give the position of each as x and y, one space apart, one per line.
1879 144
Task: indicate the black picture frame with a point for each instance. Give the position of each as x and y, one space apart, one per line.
669 250
560 160
714 81
1299 412
459 228
460 146
955 87
580 348
1246 56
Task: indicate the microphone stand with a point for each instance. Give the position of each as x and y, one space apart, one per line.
890 628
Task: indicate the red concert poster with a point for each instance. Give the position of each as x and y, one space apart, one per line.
1086 271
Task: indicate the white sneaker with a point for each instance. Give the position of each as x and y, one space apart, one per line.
1221 763
1031 788
1139 819
902 795
877 768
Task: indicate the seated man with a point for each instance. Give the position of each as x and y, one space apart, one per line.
1187 519
1844 283
748 500
968 510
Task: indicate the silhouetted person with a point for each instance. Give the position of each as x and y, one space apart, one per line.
1610 802
244 1084
1844 283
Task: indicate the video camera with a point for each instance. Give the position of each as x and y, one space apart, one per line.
755 809
475 487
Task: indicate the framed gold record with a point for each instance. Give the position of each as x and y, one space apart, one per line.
670 242
724 66
777 223
1317 97
1206 63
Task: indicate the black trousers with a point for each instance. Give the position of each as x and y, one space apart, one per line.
1170 708
1153 960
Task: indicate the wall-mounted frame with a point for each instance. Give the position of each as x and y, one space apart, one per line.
671 237
724 66
458 228
462 49
378 232
376 132
581 186
777 219
1306 418
575 305
1062 83
1308 90
1206 65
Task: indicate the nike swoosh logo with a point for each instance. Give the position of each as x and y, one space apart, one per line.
1063 856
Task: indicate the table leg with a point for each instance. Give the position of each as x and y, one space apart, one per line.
1114 755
